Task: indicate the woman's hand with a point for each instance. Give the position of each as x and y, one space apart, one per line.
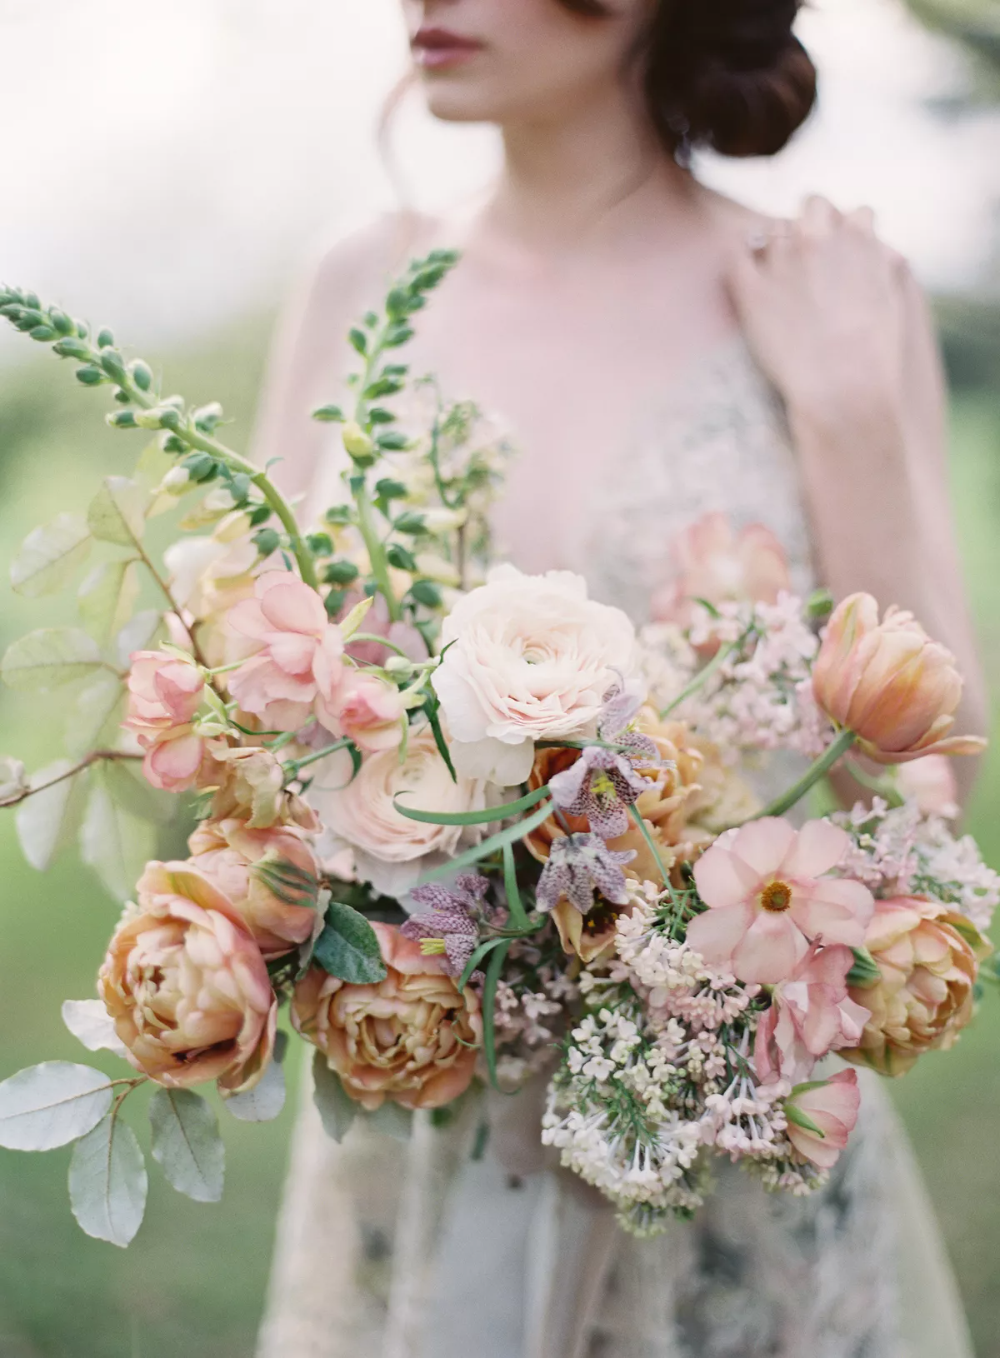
823 305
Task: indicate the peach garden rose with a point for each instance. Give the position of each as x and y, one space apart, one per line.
411 1039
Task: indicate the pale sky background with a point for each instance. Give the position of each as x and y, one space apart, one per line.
168 164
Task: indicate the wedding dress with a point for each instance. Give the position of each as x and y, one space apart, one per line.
390 1249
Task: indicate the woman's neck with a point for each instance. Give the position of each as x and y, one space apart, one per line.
583 177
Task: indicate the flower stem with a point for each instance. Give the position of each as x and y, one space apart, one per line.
700 679
295 766
810 778
95 757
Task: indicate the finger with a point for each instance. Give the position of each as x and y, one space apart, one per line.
743 280
818 217
863 218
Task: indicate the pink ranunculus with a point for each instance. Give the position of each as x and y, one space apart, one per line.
769 897
271 876
715 563
886 681
931 783
831 1107
810 1015
164 694
295 673
370 711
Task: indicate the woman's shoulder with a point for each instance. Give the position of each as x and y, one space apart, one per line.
363 258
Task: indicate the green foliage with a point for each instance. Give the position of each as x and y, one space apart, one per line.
348 947
108 1182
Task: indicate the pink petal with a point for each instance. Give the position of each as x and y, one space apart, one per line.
770 951
248 620
292 652
834 911
764 844
289 605
819 847
820 1025
715 934
722 878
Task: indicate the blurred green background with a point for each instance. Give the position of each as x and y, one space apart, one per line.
193 1283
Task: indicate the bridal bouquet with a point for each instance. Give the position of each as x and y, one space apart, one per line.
467 825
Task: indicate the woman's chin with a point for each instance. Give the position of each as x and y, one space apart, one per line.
448 101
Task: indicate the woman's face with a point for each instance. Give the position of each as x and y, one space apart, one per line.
504 61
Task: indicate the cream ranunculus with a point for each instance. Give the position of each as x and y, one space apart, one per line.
187 987
391 851
411 1039
529 657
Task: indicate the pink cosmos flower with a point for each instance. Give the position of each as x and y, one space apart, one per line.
370 711
297 669
715 563
832 1109
811 1014
164 695
769 897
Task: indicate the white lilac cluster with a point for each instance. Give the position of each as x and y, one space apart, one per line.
760 697
529 1004
659 1075
899 851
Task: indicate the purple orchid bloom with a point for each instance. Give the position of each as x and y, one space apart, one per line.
452 918
578 866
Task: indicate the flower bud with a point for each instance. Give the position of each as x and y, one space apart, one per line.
13 780
176 481
357 443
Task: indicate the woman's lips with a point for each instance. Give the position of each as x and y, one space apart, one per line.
437 49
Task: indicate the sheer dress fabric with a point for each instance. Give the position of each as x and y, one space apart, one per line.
414 1250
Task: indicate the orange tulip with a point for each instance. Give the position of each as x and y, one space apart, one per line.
890 684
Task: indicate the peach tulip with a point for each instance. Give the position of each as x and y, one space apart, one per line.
832 1109
889 683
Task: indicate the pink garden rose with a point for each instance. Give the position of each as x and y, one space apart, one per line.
769 897
832 1109
270 876
187 987
810 1015
295 673
370 711
165 693
886 681
717 564
411 1039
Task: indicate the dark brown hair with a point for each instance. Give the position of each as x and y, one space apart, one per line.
727 74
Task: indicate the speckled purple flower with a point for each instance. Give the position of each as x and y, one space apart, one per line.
621 706
452 918
601 786
578 866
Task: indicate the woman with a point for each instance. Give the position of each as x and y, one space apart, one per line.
659 352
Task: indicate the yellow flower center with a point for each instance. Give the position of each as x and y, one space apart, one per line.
432 947
776 897
602 918
601 785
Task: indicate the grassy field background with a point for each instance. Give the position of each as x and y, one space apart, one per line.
193 1282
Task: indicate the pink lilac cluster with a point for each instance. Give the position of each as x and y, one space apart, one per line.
761 698
530 1004
899 851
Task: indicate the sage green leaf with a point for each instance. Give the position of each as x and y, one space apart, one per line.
115 843
108 1182
186 1143
348 947
50 657
144 632
107 597
471 857
94 717
50 556
491 813
118 512
51 1105
47 821
91 1024
337 1110
264 1102
129 790
392 1120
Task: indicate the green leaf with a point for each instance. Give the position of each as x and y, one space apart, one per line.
130 792
348 947
107 597
118 512
494 813
392 1120
476 959
265 1101
50 556
108 1182
52 656
497 959
94 715
51 1105
91 1024
115 843
47 820
800 1119
518 914
186 1143
144 632
511 835
866 971
337 1110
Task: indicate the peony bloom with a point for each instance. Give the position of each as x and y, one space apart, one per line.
370 711
270 876
529 657
769 897
391 851
931 783
810 1015
713 562
831 1107
295 673
187 987
165 693
889 683
404 1039
929 960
